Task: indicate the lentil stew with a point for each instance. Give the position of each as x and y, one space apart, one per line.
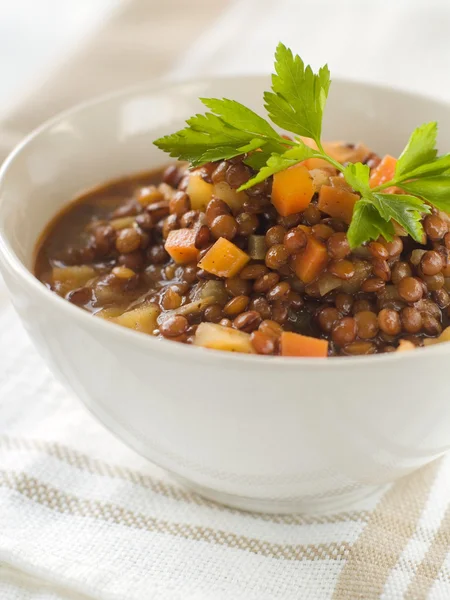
181 254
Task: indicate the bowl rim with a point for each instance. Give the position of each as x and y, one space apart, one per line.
177 350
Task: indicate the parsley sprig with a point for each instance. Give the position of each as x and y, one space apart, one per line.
296 104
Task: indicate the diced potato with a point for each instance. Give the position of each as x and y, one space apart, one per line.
199 192
78 275
109 313
224 259
66 279
405 346
143 318
230 196
217 337
180 245
444 337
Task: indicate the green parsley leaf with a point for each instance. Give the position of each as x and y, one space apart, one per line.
436 167
201 140
280 162
357 175
210 137
298 96
420 149
239 116
406 210
436 190
367 224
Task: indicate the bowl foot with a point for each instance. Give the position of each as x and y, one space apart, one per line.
296 505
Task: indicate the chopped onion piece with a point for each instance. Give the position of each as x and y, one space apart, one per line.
416 256
257 247
328 282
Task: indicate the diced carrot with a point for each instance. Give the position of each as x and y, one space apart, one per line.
292 190
316 163
295 344
337 202
309 263
224 259
180 245
384 172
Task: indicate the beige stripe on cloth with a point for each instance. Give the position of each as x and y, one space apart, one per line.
141 41
83 462
390 527
57 500
428 570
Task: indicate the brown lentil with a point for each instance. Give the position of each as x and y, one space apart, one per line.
261 305
247 321
276 256
342 268
377 250
400 270
236 286
312 215
389 321
431 325
174 326
411 319
271 329
344 303
236 305
237 174
253 271
327 317
275 235
294 240
265 282
441 297
179 204
410 289
338 246
435 227
263 344
431 263
128 240
381 269
367 324
343 331
373 285
247 223
213 313
216 208
280 290
224 226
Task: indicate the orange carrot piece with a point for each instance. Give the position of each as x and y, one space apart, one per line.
384 172
337 202
224 259
295 344
309 263
180 245
292 190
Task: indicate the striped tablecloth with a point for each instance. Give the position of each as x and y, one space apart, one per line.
82 517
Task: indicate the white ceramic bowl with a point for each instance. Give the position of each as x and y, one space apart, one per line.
262 433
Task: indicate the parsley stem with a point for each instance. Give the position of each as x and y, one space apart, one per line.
325 156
